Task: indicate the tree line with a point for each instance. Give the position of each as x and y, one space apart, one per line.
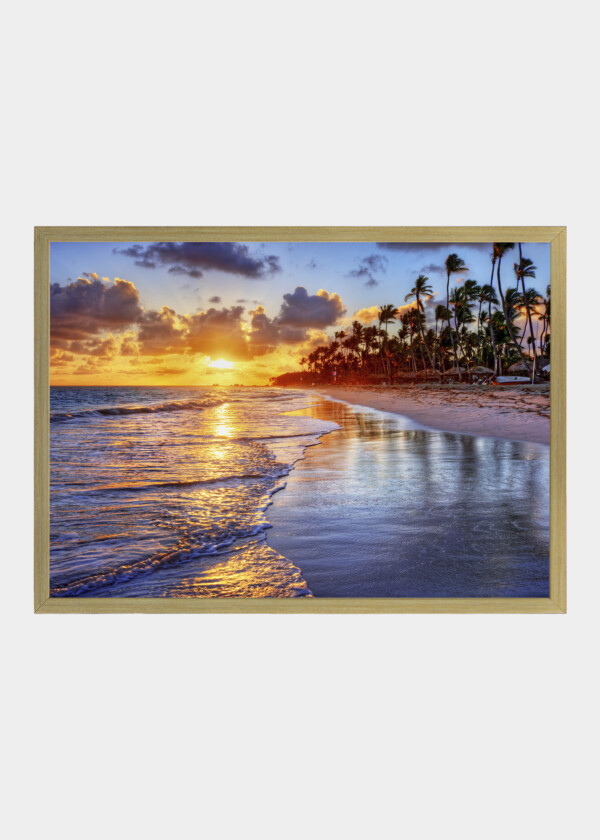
476 328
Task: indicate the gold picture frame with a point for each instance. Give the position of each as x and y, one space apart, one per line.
555 603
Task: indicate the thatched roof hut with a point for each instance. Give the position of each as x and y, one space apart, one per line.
481 369
520 367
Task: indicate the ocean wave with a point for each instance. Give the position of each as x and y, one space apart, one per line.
160 485
105 579
120 410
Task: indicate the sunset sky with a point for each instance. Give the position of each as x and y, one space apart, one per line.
176 313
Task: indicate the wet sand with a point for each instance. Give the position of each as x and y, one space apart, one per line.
518 413
385 508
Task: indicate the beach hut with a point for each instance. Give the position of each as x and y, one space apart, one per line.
520 367
480 372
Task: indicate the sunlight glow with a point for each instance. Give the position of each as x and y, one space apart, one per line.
221 364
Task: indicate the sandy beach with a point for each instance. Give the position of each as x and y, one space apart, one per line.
519 413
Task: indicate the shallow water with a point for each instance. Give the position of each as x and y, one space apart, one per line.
388 508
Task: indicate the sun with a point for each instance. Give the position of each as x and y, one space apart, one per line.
221 364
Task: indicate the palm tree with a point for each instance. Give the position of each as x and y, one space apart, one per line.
454 265
421 288
544 317
525 268
409 326
386 315
497 359
441 314
486 295
500 248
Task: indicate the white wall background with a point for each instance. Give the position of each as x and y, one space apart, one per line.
307 113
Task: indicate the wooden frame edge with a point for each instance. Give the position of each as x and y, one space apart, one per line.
296 606
558 422
41 295
44 604
384 233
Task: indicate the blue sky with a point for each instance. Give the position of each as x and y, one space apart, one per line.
312 265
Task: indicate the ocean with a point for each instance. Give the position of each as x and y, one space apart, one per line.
163 491
167 492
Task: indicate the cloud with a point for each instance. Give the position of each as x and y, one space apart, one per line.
105 348
165 370
368 267
299 314
370 314
161 332
87 306
94 320
299 309
214 299
366 315
267 333
217 333
432 268
194 258
129 345
443 247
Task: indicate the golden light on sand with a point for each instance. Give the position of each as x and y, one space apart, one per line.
221 364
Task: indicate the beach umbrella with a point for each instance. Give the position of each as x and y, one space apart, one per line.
457 370
481 369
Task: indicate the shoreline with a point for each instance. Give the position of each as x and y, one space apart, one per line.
508 413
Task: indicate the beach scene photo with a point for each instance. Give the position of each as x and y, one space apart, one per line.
299 419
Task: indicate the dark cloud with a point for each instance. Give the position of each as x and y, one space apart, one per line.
267 333
214 299
443 247
193 258
179 269
368 267
432 268
299 313
161 332
87 306
299 309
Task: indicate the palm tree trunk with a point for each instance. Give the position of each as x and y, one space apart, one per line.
506 318
449 326
421 330
534 366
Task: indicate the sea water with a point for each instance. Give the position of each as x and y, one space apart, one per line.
163 491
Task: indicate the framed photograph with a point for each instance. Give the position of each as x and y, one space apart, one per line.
300 420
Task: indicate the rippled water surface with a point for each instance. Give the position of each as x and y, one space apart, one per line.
164 492
158 491
386 507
